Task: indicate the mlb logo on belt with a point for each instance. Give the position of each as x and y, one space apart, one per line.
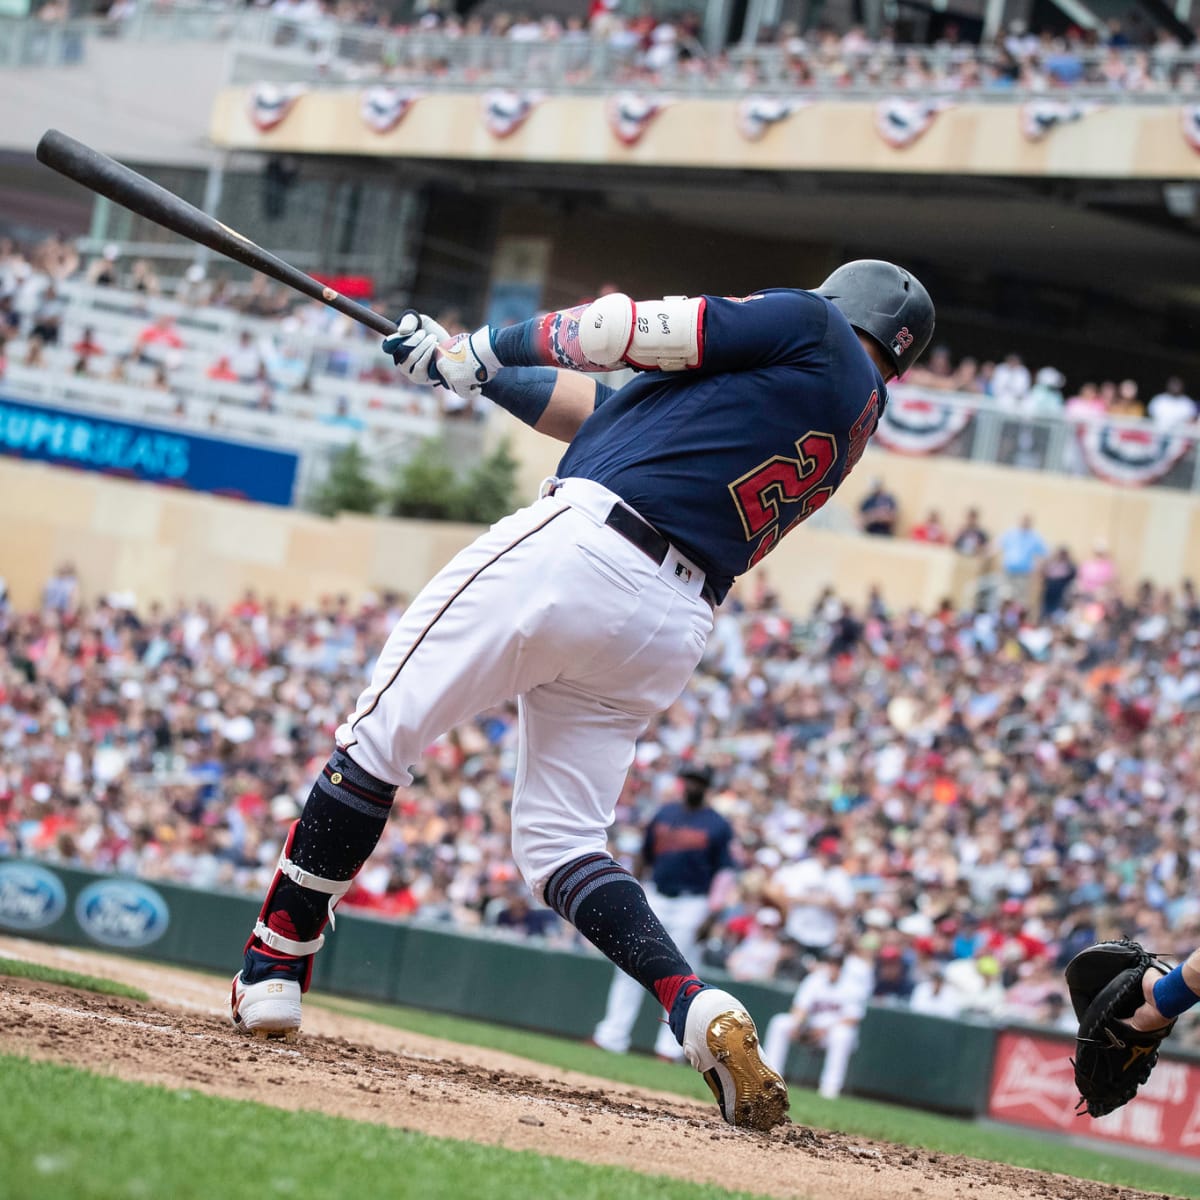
684 573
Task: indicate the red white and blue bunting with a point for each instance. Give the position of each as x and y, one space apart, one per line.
900 121
1041 117
760 113
1134 457
504 112
270 104
630 113
913 423
1190 121
382 108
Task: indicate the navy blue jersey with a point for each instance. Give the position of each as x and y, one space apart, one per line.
725 459
686 847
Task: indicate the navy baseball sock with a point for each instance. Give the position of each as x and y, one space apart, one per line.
341 824
607 905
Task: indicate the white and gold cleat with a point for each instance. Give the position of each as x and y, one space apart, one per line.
721 1042
268 1009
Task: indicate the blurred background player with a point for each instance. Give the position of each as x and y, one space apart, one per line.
686 850
827 1009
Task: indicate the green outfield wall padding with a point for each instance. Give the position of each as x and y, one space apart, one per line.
916 1060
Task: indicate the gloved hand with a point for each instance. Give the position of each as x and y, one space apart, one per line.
465 363
413 344
428 355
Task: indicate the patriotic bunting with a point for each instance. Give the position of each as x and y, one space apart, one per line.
900 121
504 112
1135 457
1040 117
1190 117
271 103
383 108
757 114
913 423
630 114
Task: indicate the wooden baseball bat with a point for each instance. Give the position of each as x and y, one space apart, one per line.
135 192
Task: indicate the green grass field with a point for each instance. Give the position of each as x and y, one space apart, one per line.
66 1133
85 983
69 1135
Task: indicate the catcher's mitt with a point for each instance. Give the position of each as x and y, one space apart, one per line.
1112 1059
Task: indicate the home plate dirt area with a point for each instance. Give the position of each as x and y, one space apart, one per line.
354 1068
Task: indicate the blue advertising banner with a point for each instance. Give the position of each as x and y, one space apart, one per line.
205 464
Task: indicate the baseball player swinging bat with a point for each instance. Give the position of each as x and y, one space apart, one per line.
135 192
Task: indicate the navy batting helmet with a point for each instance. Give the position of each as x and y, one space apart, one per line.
886 302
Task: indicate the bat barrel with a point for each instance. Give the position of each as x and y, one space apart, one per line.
126 187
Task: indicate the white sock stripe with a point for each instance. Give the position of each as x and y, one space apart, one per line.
286 945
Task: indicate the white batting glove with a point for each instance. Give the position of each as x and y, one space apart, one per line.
465 363
413 345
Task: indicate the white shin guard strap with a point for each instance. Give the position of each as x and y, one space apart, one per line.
286 945
336 888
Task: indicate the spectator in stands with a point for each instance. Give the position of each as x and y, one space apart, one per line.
194 289
245 360
1087 403
35 352
61 593
1126 402
48 317
935 371
1010 383
102 271
1022 549
972 539
815 892
1172 406
878 511
758 955
1058 573
159 343
144 279
933 996
1045 398
931 530
87 347
1097 573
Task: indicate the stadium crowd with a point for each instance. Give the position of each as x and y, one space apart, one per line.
962 798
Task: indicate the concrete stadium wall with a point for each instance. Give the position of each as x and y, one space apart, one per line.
144 103
1124 141
163 544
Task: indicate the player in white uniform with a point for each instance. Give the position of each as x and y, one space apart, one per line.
592 606
826 1011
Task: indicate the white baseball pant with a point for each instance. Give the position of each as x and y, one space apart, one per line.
838 1040
682 917
555 608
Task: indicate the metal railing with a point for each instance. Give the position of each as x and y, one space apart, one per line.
1115 449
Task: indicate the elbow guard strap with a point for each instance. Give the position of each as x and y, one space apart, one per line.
652 335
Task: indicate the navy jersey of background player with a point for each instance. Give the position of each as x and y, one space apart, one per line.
686 844
726 458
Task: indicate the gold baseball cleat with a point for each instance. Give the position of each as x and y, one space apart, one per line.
721 1042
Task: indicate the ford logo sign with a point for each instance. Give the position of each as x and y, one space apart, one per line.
118 912
30 897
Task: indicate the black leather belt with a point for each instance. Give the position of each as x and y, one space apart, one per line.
648 540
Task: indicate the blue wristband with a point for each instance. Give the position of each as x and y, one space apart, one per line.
523 391
1172 996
